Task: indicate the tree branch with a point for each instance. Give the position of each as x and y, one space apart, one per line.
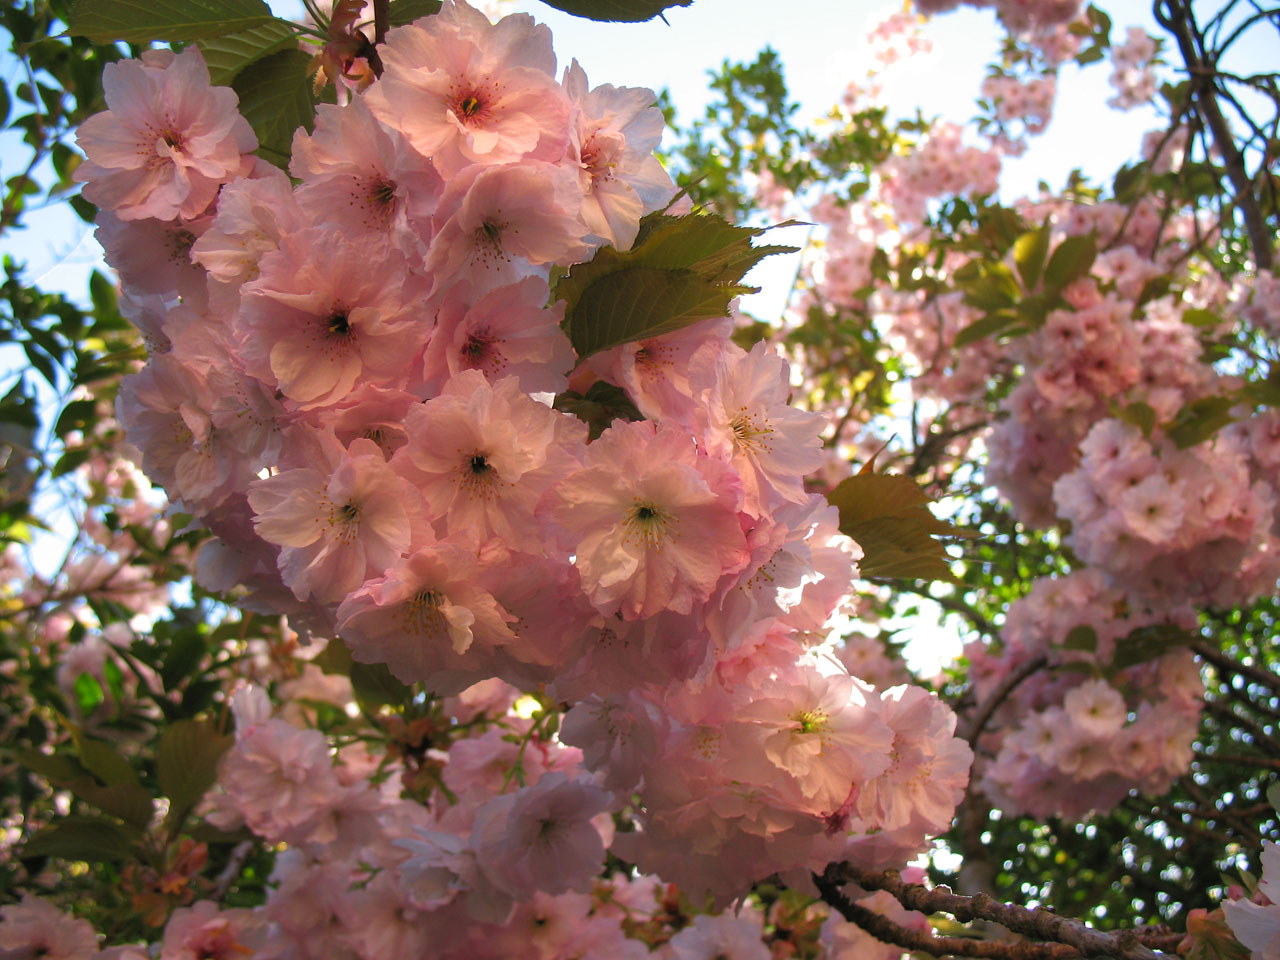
1040 923
1001 693
1263 678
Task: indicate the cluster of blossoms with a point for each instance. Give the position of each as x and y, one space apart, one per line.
1083 732
1255 921
1133 70
350 384
1089 437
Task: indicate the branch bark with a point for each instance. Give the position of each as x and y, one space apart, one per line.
1039 924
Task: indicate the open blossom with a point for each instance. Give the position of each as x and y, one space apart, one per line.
541 837
167 141
36 928
653 522
482 455
466 91
422 611
338 523
321 318
612 139
509 332
1257 925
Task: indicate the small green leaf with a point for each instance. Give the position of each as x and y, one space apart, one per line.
1082 637
1201 318
375 686
618 11
680 270
335 658
888 515
88 693
1070 261
187 763
112 673
140 21
599 406
227 55
407 11
1141 415
984 327
1029 252
1149 643
1200 420
1273 796
275 97
91 839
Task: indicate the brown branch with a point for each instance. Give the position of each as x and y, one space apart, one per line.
1176 17
232 870
1260 737
1239 760
1040 924
923 941
1263 678
381 20
1001 693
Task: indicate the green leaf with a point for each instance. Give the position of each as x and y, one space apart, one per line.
103 760
1070 261
1201 318
92 839
1029 252
129 801
187 763
1200 420
1082 637
599 406
184 655
994 288
985 327
407 11
275 97
1141 415
888 515
335 658
679 271
618 11
375 686
1273 796
140 21
88 692
1149 643
228 55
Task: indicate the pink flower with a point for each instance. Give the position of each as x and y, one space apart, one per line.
464 91
653 522
36 928
321 318
501 224
483 455
423 615
506 333
167 141
541 837
203 932
612 138
340 522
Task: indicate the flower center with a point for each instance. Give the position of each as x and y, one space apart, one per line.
339 323
422 613
750 432
648 524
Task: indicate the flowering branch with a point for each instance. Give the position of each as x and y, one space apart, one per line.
1072 937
